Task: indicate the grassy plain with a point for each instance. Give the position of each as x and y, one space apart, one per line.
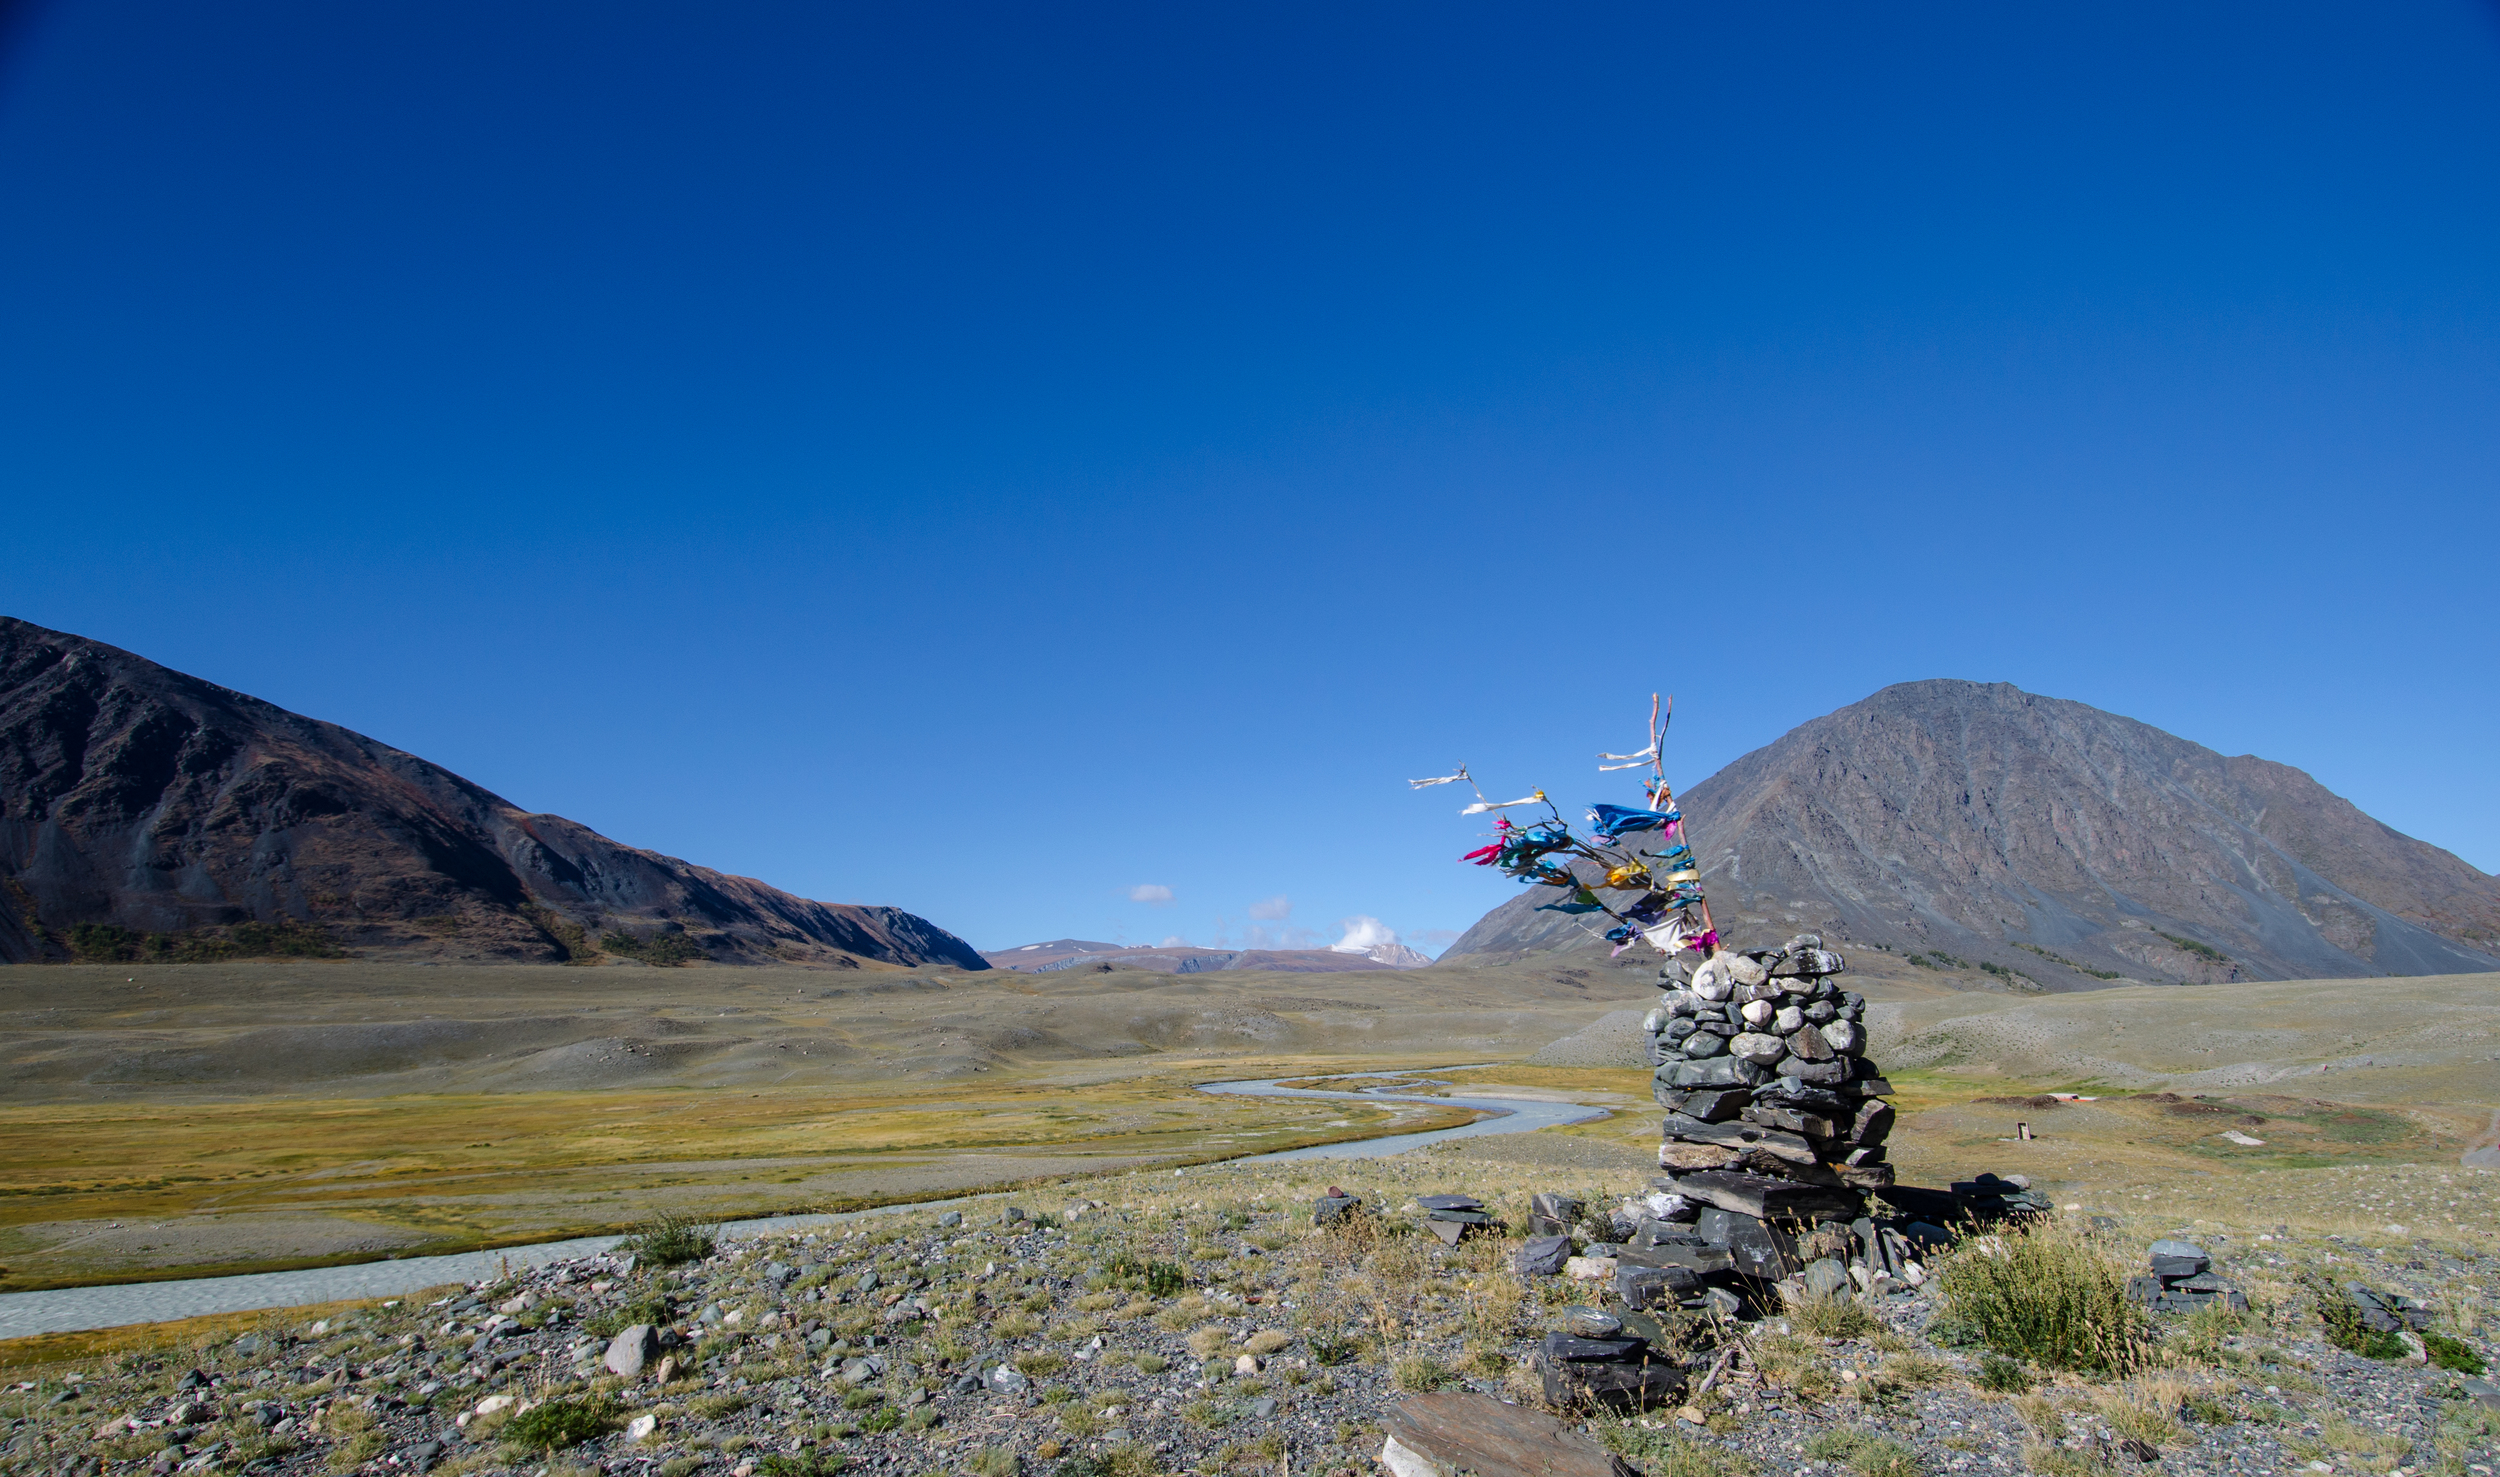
176 1120
184 1120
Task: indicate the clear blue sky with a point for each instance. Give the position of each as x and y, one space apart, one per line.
990 460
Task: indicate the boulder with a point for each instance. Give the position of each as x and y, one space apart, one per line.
631 1350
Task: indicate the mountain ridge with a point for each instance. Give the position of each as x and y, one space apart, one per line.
2046 839
144 808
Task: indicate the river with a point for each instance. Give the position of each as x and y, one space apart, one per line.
70 1309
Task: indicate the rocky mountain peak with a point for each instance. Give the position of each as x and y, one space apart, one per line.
2042 838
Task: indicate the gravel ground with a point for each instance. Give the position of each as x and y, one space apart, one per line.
1279 1351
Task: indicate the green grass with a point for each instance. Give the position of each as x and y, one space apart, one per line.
558 1423
2003 1375
2344 1328
2202 951
106 943
1865 1453
2452 1354
2046 1295
2098 974
1666 1454
670 1238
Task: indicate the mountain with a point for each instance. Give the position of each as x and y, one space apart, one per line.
1396 956
149 814
1043 955
1983 825
1059 954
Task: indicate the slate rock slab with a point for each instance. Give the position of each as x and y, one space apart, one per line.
2175 1258
1623 1385
1443 1435
1329 1210
1543 1256
1761 1196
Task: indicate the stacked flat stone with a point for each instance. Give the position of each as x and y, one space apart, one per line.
1761 1065
2182 1280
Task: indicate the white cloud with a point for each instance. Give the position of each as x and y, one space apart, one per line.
1174 941
1273 909
1362 935
1150 892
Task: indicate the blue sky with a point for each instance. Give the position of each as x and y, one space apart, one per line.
996 460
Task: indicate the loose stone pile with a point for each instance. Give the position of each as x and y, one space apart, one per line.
1761 1065
2182 1281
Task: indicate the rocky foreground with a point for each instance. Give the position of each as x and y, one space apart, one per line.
1203 1323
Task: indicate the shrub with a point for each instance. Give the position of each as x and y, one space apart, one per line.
2003 1375
2344 1328
2452 1354
558 1423
2044 1294
665 949
1329 1349
804 1464
672 1237
1421 1374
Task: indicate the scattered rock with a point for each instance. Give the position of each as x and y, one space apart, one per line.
632 1349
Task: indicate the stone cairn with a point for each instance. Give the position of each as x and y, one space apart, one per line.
2182 1281
1774 1134
1761 1065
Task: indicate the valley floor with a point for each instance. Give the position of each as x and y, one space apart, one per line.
1156 1323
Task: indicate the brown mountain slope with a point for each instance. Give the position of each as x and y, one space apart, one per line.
1977 819
177 811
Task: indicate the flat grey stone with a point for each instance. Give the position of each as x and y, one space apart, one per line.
1443 1435
1590 1323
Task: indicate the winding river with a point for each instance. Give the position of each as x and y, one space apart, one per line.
70 1309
